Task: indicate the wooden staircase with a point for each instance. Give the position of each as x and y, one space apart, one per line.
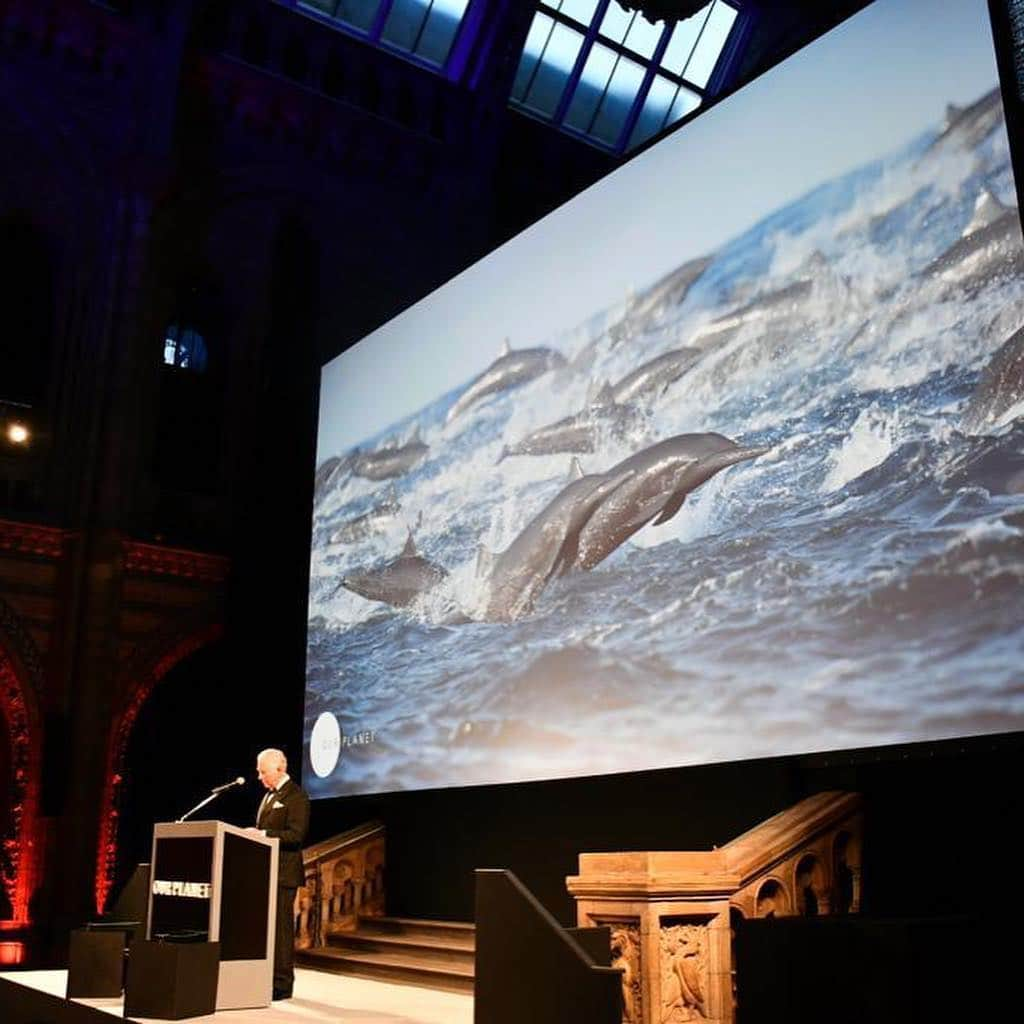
435 954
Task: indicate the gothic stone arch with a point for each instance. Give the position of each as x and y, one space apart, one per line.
20 685
141 676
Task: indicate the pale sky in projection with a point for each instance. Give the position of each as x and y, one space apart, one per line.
860 92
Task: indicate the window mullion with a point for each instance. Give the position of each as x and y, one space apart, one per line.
423 24
645 87
696 42
538 65
581 60
604 94
377 28
734 41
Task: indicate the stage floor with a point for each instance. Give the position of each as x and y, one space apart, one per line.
319 996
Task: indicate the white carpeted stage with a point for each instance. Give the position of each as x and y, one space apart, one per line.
319 996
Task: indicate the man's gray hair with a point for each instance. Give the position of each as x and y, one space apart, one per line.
274 756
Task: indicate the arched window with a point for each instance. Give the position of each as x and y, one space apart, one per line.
610 76
185 349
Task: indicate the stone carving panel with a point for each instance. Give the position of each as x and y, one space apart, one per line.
625 941
805 859
684 956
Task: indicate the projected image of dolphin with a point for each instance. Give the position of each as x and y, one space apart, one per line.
369 523
1000 386
990 247
400 582
512 369
670 290
968 126
548 543
772 308
657 481
655 375
391 460
578 434
323 473
331 472
653 304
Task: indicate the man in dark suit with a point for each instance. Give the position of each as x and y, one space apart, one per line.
283 815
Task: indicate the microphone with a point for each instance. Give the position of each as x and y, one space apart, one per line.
215 792
228 785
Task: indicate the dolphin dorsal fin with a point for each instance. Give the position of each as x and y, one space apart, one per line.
409 551
575 469
605 395
952 113
506 347
602 395
817 260
484 562
987 209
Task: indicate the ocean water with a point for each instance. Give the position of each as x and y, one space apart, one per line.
862 583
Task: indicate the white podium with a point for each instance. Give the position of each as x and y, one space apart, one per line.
212 878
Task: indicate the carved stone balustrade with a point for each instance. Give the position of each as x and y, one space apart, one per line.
344 881
672 913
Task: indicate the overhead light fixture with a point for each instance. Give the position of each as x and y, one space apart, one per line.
16 429
18 433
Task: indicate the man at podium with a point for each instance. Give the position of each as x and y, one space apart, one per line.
284 815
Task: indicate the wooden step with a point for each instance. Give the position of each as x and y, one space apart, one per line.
452 933
405 970
402 945
412 951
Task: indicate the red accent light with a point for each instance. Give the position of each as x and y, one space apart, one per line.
12 952
18 710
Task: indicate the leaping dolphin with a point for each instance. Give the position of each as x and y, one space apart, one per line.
548 543
577 433
655 302
400 582
391 460
778 305
656 483
331 471
655 375
990 246
670 290
968 126
323 473
369 522
512 369
1000 386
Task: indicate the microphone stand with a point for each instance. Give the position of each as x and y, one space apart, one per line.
202 803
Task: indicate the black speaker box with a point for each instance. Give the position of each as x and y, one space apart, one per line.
172 980
96 964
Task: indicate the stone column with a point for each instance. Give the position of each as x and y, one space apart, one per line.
326 888
669 915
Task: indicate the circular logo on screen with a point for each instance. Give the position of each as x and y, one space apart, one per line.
325 744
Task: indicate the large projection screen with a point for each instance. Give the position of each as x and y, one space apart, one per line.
723 459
